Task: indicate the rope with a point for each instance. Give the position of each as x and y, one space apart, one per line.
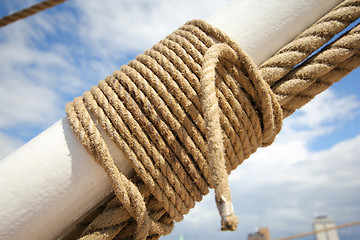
265 104
145 111
320 72
29 11
310 40
180 144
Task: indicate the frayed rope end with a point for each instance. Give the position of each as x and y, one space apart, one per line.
229 223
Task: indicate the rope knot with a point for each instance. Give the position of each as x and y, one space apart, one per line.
258 103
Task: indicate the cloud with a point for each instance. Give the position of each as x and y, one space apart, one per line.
324 182
327 108
325 114
28 82
119 27
8 144
26 103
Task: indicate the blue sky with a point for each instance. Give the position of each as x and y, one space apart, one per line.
311 169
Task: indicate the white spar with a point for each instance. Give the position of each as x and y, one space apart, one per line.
48 183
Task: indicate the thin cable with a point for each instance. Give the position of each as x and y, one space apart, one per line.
29 11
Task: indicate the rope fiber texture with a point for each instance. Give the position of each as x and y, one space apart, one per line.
191 109
151 109
29 11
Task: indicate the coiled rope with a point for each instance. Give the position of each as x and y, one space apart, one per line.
180 144
152 111
29 11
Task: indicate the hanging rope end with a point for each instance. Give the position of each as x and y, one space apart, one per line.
229 223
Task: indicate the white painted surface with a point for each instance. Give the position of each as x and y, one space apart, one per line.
263 27
48 183
51 181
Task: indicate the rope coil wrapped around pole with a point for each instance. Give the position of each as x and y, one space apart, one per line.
176 119
152 110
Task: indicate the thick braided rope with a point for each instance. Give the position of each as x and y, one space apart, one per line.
152 111
345 65
310 40
112 221
319 73
125 190
29 11
265 101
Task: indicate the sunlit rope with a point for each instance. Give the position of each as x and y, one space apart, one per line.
29 11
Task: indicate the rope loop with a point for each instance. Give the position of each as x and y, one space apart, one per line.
265 106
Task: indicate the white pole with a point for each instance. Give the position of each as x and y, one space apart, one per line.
47 184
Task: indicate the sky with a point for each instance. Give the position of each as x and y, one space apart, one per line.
311 169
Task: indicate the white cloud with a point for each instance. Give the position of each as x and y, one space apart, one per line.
326 113
8 144
35 73
26 103
19 53
327 108
118 27
27 79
